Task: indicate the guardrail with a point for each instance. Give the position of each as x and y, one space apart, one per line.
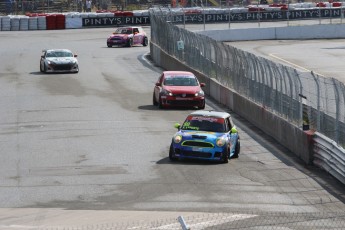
329 156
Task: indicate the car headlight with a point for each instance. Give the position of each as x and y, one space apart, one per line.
166 92
200 93
220 141
177 138
50 62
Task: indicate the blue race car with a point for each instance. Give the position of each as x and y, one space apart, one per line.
206 135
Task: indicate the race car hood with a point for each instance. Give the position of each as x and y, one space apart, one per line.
121 35
62 60
183 89
200 135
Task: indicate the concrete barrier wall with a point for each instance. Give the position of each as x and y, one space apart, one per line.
278 33
288 135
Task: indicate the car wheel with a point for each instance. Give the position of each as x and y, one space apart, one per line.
130 43
109 45
45 68
203 106
160 105
154 102
41 70
171 153
145 41
225 157
237 149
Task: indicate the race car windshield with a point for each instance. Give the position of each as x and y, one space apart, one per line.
124 31
59 54
180 81
204 124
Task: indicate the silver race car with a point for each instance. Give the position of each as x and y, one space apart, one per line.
58 60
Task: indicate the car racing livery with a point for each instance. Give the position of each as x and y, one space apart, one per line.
58 61
206 135
128 36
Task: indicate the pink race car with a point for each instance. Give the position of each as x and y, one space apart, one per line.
128 36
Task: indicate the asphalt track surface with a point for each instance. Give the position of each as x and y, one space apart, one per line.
90 151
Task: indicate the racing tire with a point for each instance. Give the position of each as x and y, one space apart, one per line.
45 69
225 157
130 43
160 105
41 70
109 46
171 153
154 102
237 150
203 106
145 41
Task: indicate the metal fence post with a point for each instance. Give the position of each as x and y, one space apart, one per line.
337 111
318 100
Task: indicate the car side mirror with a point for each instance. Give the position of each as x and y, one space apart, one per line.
42 56
233 130
202 84
177 126
75 55
158 84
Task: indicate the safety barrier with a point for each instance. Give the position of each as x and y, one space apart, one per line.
329 156
72 20
103 18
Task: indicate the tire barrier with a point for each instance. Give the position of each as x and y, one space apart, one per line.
60 21
104 18
41 23
14 23
33 23
24 23
5 23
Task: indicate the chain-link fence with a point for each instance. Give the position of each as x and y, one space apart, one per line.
303 98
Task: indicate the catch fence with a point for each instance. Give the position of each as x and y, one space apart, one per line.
305 99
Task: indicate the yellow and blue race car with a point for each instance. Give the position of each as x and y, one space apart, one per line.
206 135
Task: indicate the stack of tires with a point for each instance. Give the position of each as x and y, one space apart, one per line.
6 23
127 13
33 23
24 23
41 23
60 21
51 22
14 21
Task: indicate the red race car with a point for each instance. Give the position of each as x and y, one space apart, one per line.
128 36
180 89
